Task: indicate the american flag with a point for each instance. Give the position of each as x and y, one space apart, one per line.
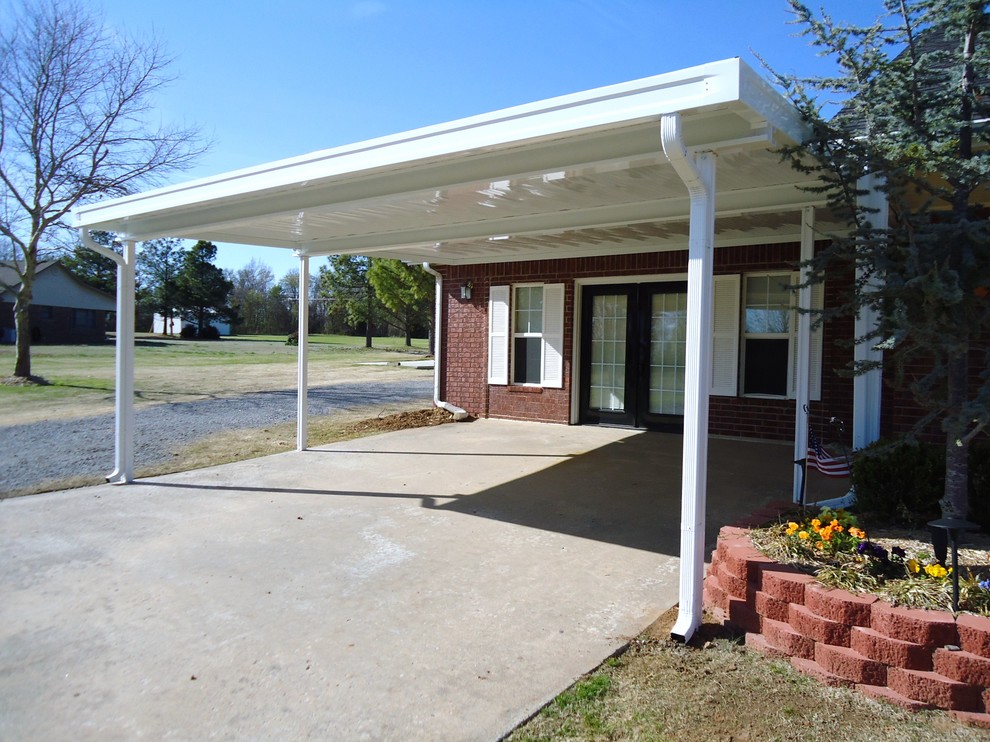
819 458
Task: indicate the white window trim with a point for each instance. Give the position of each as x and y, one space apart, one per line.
501 333
728 348
514 334
744 336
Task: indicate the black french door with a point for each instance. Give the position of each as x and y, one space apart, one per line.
633 341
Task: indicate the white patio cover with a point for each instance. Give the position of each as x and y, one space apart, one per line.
579 175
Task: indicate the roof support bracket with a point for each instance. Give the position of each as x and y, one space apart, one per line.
698 173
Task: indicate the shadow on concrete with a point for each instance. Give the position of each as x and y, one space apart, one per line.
629 492
626 492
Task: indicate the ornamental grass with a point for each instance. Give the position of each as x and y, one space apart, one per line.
840 553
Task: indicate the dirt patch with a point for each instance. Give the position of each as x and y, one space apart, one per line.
23 381
399 421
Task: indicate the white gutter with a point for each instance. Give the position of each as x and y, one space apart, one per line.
698 173
458 413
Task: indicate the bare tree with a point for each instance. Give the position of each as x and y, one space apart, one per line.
76 124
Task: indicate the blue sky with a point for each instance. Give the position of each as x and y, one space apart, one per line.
270 80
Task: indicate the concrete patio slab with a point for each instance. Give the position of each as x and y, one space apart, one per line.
439 583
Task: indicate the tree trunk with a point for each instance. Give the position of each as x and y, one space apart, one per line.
367 322
22 323
955 500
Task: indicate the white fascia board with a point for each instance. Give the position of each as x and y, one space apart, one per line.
770 106
712 84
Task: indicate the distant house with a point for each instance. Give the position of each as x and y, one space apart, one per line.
158 325
64 309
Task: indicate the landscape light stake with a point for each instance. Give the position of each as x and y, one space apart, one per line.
954 527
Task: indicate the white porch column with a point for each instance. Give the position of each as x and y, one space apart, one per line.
698 173
867 387
124 393
803 370
302 379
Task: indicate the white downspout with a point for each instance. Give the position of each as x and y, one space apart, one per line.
698 173
456 411
123 471
302 357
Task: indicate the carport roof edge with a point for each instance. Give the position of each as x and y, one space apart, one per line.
195 209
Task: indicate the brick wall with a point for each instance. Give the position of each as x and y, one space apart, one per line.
901 412
465 333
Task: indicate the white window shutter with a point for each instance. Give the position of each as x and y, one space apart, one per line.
498 335
725 335
815 360
552 374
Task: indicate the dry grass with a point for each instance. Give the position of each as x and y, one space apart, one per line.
715 689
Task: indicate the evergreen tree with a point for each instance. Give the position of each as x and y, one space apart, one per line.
158 266
406 291
94 269
915 100
203 289
344 282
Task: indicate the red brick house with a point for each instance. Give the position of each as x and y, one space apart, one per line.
64 310
618 357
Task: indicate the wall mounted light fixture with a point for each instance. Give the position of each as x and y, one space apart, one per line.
466 290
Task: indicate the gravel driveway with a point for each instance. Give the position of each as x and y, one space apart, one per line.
56 449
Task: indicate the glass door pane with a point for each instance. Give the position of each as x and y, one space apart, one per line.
609 314
668 343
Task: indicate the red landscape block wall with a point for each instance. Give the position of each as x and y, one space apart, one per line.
914 658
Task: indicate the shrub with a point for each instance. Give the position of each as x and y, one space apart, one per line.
188 332
899 482
209 333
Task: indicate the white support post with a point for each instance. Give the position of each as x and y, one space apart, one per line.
124 394
802 393
867 387
302 380
698 173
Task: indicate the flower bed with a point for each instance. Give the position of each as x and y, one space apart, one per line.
917 659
